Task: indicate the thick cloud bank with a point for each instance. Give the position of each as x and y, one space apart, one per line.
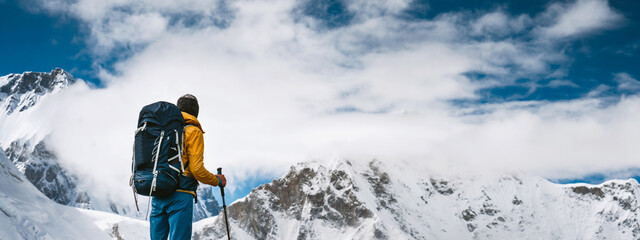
278 84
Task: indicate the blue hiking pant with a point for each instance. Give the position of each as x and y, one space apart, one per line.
171 216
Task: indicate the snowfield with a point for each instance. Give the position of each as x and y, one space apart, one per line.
25 213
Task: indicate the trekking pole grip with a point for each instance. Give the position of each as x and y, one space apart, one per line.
220 184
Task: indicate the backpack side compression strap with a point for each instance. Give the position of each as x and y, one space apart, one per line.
133 168
155 174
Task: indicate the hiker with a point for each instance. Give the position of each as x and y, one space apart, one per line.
172 216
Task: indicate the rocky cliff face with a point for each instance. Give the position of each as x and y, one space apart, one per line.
207 205
349 200
41 168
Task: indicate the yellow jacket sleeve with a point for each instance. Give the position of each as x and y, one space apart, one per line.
194 144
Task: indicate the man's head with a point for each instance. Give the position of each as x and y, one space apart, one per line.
189 104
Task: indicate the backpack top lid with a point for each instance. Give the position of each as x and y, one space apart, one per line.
160 113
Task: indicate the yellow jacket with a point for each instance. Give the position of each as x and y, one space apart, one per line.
193 152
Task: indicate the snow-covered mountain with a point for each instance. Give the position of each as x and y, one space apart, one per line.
22 91
25 213
27 146
207 205
28 150
359 200
351 200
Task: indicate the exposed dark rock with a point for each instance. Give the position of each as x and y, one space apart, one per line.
37 82
317 199
596 191
489 209
207 205
378 234
442 186
295 192
114 208
516 201
252 217
83 198
338 178
350 209
627 202
40 166
115 232
380 183
305 233
471 227
468 214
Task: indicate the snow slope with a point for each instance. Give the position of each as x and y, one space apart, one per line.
374 200
25 213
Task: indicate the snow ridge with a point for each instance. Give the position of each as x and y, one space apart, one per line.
22 91
374 200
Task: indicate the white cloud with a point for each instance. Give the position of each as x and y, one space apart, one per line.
269 87
579 18
598 91
552 139
130 24
561 83
499 23
368 9
125 30
626 82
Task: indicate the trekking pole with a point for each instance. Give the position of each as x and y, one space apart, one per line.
224 206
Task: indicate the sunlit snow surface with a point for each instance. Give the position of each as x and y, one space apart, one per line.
374 200
25 213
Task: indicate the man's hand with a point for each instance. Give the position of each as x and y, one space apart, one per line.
222 181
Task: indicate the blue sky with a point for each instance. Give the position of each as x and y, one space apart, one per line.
305 80
37 40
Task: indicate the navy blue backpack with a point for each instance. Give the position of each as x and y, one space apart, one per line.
157 150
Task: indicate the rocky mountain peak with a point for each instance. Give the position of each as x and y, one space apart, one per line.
22 91
392 200
40 82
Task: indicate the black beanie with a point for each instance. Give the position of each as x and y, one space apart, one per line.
189 104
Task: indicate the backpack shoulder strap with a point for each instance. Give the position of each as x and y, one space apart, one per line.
184 144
